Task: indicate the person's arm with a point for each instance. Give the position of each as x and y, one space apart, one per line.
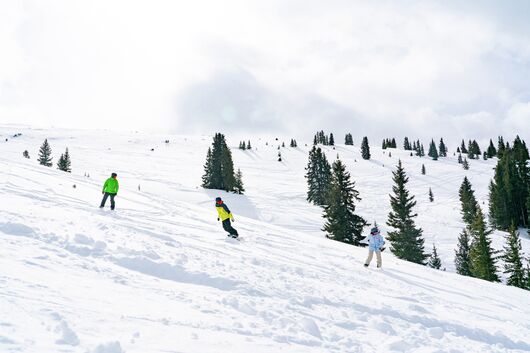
105 185
117 186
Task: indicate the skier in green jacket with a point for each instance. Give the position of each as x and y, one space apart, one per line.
110 188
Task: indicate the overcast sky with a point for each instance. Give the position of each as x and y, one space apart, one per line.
380 68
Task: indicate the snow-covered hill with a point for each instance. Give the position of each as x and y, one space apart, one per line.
159 275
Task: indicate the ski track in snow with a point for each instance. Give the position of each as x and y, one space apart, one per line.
159 275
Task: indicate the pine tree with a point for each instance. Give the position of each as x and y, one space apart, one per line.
462 259
406 239
25 154
239 188
500 146
45 153
434 259
384 145
283 144
460 161
463 148
365 148
465 164
513 261
65 163
492 151
406 144
318 177
423 169
248 145
431 195
468 202
244 145
393 143
208 171
331 140
433 152
443 148
483 262
485 156
470 150
342 224
279 156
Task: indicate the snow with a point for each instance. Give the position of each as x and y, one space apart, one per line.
159 275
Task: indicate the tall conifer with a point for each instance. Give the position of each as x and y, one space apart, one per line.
406 240
342 224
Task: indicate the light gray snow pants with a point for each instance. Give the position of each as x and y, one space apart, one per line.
371 255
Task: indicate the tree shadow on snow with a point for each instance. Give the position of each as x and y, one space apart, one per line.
238 204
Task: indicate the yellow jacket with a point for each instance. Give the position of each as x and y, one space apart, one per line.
224 212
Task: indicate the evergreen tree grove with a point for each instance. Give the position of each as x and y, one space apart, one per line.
318 177
510 188
219 167
342 224
348 140
406 240
65 163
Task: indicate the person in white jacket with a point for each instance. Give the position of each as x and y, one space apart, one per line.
375 243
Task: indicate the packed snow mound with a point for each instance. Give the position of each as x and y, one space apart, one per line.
159 274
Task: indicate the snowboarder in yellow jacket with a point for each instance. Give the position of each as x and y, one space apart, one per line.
110 188
225 216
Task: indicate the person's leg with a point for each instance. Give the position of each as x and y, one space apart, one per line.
105 196
369 259
228 227
379 261
112 204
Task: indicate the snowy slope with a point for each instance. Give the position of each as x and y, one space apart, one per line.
158 275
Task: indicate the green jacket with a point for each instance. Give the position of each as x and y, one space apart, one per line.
111 186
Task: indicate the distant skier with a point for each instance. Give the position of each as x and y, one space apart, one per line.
225 216
375 244
110 188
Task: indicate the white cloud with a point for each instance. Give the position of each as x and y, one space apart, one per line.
297 66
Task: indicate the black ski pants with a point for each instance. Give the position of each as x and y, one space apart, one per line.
228 227
105 197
